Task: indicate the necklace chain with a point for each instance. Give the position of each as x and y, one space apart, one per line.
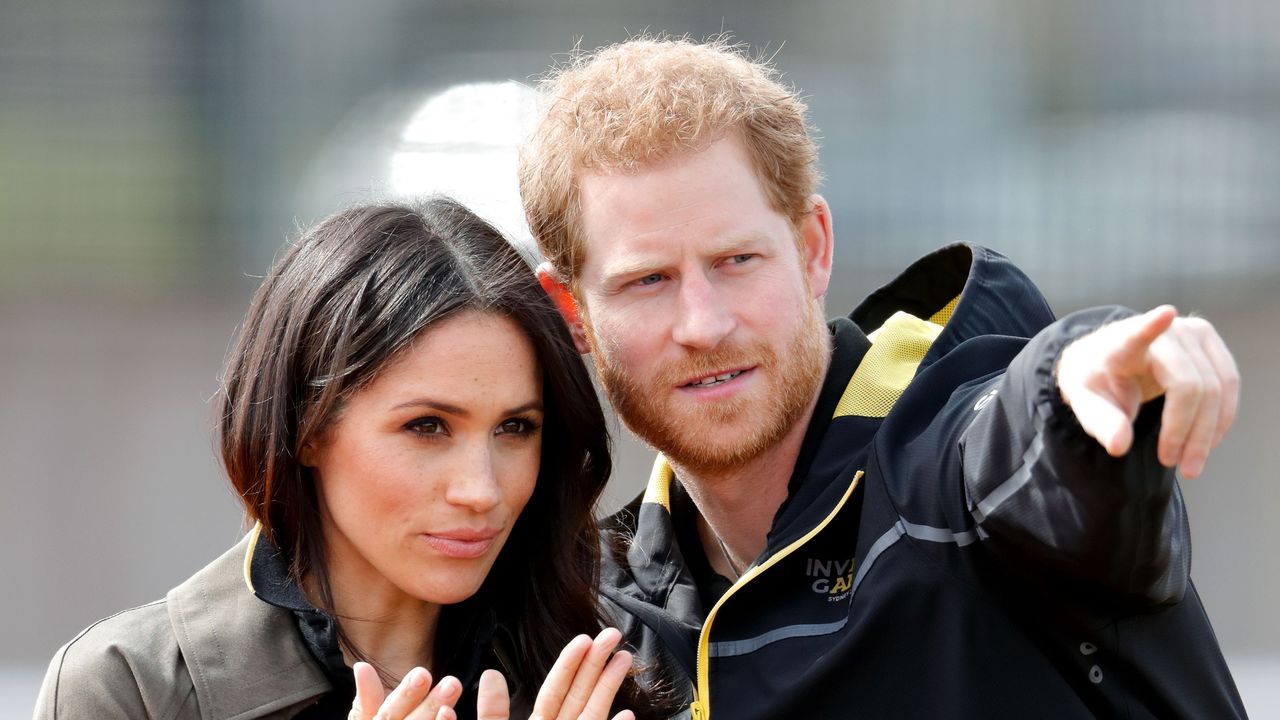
724 551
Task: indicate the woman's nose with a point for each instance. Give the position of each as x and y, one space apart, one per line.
473 483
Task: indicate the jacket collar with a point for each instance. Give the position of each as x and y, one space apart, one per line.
245 656
266 573
969 289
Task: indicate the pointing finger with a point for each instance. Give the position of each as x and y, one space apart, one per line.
1142 330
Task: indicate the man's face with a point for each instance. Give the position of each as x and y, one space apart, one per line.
701 312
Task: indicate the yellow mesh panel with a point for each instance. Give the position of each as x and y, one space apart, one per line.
659 488
898 347
943 316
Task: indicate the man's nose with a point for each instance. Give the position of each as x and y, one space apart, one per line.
703 316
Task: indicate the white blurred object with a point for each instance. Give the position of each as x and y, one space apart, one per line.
464 142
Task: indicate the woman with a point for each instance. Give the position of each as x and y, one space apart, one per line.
406 420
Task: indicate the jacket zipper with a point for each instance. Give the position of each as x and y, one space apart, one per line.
700 709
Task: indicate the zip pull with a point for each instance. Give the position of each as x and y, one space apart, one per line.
697 711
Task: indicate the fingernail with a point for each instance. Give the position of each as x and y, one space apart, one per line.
418 678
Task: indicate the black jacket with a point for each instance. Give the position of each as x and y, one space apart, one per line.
952 545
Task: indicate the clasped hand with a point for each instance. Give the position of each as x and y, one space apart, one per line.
1107 375
581 685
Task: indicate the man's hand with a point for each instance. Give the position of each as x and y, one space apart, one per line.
1106 375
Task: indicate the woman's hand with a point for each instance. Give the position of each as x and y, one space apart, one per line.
580 686
413 699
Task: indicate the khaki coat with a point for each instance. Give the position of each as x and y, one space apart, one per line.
210 650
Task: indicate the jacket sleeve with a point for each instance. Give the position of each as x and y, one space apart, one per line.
1050 500
117 668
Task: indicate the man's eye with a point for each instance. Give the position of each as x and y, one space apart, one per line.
739 259
650 279
427 426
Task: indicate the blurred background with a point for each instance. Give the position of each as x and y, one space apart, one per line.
155 156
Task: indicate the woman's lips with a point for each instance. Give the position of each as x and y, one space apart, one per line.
461 543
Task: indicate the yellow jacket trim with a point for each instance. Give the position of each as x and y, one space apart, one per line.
888 367
248 555
701 707
659 488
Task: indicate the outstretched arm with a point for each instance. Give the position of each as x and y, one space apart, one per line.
1068 464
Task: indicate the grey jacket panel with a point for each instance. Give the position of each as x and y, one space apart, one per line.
210 650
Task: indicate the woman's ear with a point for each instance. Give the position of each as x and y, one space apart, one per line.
308 455
565 303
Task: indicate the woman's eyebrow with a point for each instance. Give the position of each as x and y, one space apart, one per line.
531 406
434 405
450 408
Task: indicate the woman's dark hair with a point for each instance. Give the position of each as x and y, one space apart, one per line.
336 307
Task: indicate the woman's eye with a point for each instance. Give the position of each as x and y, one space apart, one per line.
427 426
515 426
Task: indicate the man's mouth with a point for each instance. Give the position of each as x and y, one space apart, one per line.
713 380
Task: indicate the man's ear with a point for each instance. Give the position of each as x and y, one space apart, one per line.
565 303
817 243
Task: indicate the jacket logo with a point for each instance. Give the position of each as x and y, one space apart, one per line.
833 578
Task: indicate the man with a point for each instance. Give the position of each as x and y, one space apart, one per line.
947 504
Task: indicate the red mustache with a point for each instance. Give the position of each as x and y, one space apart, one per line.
720 360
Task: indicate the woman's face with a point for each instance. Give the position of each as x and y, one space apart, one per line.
422 475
